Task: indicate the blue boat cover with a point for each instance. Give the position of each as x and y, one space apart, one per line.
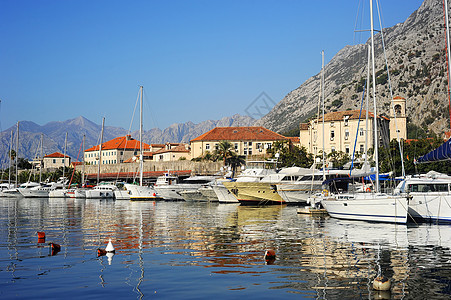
441 153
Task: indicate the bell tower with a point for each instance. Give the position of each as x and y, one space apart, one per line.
398 118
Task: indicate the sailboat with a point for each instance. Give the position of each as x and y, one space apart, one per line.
371 206
139 192
101 191
429 194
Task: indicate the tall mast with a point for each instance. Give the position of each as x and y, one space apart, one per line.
141 163
41 158
100 150
64 155
83 171
9 169
376 154
322 96
449 53
17 152
367 131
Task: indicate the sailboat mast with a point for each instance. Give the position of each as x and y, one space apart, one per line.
10 150
17 152
100 150
449 53
41 158
83 171
64 155
367 106
141 163
322 96
376 154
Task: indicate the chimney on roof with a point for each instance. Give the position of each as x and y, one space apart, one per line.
128 137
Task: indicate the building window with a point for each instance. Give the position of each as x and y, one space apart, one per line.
236 147
245 144
362 148
259 145
346 134
332 135
332 124
347 149
250 144
207 146
268 146
216 147
332 149
245 151
54 161
136 152
250 151
346 120
122 152
362 133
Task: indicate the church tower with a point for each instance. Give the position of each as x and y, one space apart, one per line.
398 118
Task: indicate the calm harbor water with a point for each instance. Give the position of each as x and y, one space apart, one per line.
202 250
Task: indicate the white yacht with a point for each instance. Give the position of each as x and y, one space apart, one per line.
101 191
141 193
428 195
41 190
169 186
208 192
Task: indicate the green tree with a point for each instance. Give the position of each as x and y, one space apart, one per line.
338 158
224 150
235 161
290 155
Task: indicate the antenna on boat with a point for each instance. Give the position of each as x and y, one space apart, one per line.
100 150
141 164
449 53
322 96
376 154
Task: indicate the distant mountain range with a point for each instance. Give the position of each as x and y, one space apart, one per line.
54 135
416 55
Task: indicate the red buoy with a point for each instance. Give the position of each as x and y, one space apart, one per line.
101 252
41 235
270 256
55 248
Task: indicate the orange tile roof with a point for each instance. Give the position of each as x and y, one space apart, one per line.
399 97
180 148
77 163
240 134
120 143
294 139
56 155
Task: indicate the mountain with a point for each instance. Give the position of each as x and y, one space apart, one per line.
54 135
416 57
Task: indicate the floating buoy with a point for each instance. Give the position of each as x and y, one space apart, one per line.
270 256
381 283
109 247
41 235
154 194
101 252
55 248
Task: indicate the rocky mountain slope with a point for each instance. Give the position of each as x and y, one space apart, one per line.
54 135
416 57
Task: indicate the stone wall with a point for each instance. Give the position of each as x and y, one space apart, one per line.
197 168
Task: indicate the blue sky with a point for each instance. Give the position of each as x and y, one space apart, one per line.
197 60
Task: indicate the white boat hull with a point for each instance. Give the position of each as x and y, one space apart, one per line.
172 192
122 195
223 194
367 207
298 192
431 207
142 193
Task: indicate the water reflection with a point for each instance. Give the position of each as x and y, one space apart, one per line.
219 246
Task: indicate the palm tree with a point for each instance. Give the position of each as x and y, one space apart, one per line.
235 161
225 150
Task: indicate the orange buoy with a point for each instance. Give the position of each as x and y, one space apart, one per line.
55 248
368 189
101 252
41 235
270 256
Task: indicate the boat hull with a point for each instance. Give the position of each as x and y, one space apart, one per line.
367 207
254 193
430 207
298 192
223 194
142 193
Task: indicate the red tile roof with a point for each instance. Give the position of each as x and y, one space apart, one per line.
399 97
120 143
294 139
180 148
56 155
77 163
240 134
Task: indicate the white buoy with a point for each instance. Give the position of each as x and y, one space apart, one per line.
109 248
381 283
110 257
